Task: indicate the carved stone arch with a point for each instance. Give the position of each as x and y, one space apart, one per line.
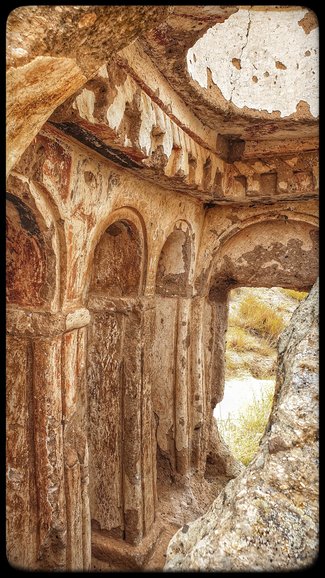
31 250
34 405
119 406
117 259
170 351
175 264
284 215
265 251
273 251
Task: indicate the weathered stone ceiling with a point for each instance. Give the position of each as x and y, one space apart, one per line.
143 110
53 50
169 43
252 66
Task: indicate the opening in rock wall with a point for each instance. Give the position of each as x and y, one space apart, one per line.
257 316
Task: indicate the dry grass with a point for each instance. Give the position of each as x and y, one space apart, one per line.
260 319
240 340
259 371
244 434
249 365
231 366
297 295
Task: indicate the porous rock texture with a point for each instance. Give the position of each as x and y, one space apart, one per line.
135 201
266 519
53 50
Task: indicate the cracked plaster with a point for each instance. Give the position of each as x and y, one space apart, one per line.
262 60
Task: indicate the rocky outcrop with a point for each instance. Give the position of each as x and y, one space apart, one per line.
267 518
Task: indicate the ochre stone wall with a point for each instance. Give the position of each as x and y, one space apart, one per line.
118 331
134 204
267 518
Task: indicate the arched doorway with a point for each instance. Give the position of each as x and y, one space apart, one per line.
280 251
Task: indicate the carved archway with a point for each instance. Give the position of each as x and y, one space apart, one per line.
175 262
30 261
272 252
31 294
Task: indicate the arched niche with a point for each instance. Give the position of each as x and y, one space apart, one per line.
170 351
31 283
117 268
30 260
119 413
174 263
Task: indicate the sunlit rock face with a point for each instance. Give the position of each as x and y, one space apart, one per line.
262 60
267 518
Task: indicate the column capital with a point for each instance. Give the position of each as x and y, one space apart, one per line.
44 324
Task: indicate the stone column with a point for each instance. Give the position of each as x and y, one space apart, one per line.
122 497
21 503
149 467
36 345
198 397
214 450
74 415
182 385
170 375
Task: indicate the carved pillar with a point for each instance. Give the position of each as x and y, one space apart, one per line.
74 414
149 458
170 377
48 439
55 498
214 452
182 385
120 419
21 515
199 355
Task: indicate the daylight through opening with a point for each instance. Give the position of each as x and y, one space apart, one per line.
257 316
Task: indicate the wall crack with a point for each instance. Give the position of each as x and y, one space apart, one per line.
233 80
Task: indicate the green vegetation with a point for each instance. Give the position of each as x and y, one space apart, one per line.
297 295
244 434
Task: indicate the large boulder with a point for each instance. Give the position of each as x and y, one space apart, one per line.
266 519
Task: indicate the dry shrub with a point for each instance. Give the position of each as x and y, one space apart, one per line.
231 366
260 319
244 434
238 339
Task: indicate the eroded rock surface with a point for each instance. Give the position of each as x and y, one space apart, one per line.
131 213
267 518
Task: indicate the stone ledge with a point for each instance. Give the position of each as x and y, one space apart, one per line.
132 127
121 554
44 324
